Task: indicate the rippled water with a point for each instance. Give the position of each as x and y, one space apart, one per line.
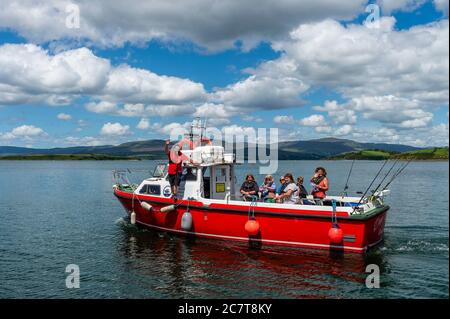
59 213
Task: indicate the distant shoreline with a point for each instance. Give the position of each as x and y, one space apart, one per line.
68 157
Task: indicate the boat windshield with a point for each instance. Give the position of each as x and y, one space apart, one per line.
160 170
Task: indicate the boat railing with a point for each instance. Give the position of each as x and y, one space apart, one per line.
122 176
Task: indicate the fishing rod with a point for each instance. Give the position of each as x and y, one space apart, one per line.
399 171
385 176
344 192
373 181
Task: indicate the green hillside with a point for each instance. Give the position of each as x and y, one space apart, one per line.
364 155
436 153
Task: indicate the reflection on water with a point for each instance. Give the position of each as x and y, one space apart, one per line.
208 268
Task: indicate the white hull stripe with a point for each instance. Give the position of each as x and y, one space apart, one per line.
261 240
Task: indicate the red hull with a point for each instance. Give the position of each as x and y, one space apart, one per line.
304 228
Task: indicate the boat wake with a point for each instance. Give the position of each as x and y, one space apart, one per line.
417 239
433 246
423 246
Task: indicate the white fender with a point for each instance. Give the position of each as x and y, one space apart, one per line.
146 206
133 218
166 209
186 221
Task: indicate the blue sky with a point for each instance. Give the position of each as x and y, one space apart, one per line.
302 75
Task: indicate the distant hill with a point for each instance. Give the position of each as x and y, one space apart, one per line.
328 147
154 149
151 149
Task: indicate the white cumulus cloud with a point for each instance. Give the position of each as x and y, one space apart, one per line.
339 113
261 92
115 129
344 130
442 5
64 117
313 120
23 132
28 73
212 25
143 124
284 119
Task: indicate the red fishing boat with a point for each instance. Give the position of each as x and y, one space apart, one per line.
208 205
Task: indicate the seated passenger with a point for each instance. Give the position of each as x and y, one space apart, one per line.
281 186
320 184
267 190
290 191
249 189
302 192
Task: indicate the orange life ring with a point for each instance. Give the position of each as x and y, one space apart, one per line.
194 144
184 141
203 140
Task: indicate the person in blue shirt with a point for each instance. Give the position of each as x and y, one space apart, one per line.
267 189
282 185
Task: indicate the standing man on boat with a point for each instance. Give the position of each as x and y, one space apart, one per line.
175 168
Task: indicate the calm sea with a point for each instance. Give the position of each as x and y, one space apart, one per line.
55 213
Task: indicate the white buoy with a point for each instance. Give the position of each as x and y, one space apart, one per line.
186 221
146 206
133 218
166 209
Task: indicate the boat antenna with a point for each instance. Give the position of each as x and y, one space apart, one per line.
344 193
385 176
373 181
397 173
203 129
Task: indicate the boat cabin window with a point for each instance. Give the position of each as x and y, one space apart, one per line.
160 170
151 189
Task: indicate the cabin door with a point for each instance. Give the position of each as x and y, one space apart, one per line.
220 181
